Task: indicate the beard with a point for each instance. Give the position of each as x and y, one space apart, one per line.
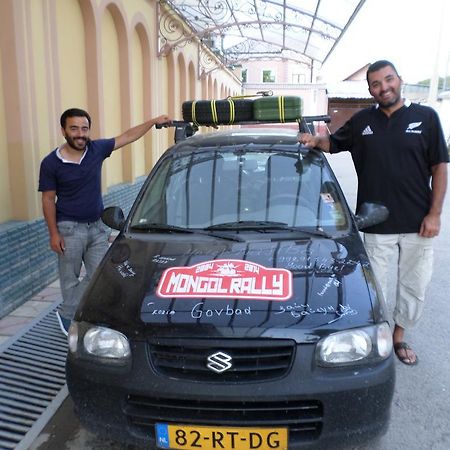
78 144
388 103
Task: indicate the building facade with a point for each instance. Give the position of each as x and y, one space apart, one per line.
121 60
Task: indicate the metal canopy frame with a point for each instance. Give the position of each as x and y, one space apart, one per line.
235 31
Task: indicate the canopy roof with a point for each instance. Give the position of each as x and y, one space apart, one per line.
239 30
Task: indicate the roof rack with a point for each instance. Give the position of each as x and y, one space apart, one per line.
184 130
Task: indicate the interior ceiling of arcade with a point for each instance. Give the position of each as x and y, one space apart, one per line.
236 31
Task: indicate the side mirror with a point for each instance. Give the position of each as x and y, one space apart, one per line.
113 217
370 214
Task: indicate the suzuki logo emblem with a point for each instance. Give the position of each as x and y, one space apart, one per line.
219 362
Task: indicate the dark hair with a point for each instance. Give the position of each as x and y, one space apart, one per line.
377 65
74 112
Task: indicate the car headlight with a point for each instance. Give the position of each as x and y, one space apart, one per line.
355 346
73 337
106 343
384 340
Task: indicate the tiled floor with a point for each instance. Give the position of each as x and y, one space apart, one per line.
23 315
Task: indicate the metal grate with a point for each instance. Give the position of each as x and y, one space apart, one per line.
252 360
32 380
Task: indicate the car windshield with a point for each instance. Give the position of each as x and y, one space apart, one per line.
225 189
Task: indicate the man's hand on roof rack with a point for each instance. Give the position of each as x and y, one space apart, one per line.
171 123
308 140
164 120
320 142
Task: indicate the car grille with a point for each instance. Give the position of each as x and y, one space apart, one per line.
252 360
302 417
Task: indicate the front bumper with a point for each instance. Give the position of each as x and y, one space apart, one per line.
320 406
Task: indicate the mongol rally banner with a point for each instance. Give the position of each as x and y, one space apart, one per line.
226 278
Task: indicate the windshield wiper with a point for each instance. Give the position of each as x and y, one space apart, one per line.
254 225
312 231
242 225
163 227
302 230
228 237
160 227
264 227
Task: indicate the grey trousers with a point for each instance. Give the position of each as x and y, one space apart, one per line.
85 243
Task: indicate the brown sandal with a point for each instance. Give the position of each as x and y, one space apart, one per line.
405 359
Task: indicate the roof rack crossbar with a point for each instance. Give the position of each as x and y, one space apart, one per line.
183 130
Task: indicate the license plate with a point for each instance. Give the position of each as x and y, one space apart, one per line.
183 437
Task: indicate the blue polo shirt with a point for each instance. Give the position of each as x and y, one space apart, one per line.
77 186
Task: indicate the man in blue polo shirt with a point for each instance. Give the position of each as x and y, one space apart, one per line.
70 182
400 156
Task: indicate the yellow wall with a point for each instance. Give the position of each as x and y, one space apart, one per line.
137 68
5 198
111 91
71 55
99 55
43 77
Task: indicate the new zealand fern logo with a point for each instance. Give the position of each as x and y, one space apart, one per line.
412 128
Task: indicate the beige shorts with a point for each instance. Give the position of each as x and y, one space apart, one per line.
414 270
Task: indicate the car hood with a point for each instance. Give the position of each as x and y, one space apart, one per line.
301 288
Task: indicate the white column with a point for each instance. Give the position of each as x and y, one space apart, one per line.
441 50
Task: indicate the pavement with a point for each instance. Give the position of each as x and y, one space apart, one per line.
14 323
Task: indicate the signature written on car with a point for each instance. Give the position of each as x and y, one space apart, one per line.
294 310
332 281
198 311
298 311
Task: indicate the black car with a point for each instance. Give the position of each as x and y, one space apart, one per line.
237 308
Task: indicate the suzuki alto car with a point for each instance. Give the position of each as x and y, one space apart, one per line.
237 308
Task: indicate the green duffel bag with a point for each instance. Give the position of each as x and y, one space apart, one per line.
277 108
218 112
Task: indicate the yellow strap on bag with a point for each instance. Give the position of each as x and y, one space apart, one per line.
194 119
214 112
215 117
281 108
232 111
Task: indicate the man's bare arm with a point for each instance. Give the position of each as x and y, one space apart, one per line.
431 223
49 210
133 134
